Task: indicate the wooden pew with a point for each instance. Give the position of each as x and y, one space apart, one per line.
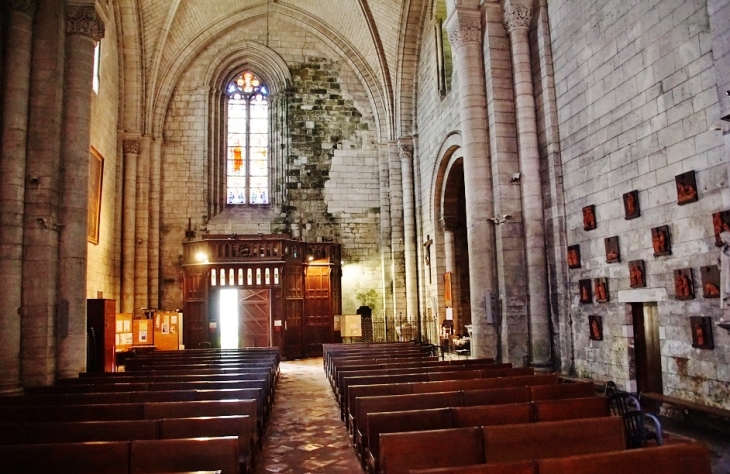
521 467
401 452
385 385
219 426
242 427
240 387
570 409
492 394
683 458
563 390
108 457
183 455
486 415
78 431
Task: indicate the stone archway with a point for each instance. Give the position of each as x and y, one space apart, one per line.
456 248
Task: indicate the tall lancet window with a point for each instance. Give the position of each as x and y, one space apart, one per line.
247 163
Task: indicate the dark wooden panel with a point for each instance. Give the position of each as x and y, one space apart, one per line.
194 324
255 318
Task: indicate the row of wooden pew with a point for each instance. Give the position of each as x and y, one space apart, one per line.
407 413
177 411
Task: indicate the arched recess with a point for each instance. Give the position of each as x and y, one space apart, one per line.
413 20
131 65
272 69
448 215
159 99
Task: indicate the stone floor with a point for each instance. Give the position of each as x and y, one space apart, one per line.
305 434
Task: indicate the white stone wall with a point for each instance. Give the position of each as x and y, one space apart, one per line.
350 196
103 264
436 118
636 95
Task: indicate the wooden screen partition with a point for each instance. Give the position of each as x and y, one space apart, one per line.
288 291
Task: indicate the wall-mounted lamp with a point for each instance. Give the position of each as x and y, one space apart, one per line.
201 257
515 178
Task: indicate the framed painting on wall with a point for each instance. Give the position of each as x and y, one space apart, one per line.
710 281
589 217
686 187
683 287
96 176
601 289
720 222
613 253
574 256
631 205
660 241
637 277
701 327
586 294
595 323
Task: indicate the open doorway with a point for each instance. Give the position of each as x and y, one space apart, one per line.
228 304
647 347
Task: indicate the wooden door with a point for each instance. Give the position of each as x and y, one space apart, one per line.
254 318
294 309
647 347
318 327
195 324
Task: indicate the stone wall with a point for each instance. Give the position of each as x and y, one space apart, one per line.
331 164
636 91
437 118
104 264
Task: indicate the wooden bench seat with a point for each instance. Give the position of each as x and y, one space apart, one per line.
486 415
241 426
684 458
124 457
496 391
401 452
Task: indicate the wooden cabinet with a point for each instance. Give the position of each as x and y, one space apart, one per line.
100 335
288 291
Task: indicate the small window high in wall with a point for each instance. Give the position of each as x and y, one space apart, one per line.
247 163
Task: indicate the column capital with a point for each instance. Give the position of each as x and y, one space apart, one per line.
29 7
517 16
84 20
464 26
131 147
405 151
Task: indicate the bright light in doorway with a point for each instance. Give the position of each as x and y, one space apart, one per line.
229 319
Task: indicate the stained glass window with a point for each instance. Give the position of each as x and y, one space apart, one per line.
247 163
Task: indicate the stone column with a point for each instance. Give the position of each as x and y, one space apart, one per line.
385 229
15 95
450 262
43 177
154 224
84 28
405 150
141 251
396 232
517 22
129 220
465 34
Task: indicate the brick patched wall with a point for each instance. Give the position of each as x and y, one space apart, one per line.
331 160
